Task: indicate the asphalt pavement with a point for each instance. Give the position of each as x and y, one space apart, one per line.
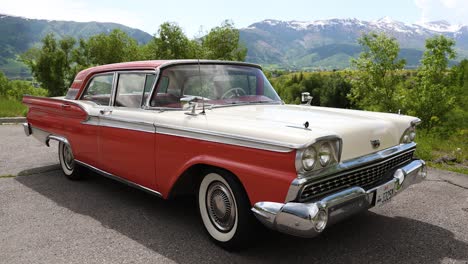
45 218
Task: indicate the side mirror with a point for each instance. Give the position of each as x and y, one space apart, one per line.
306 99
189 102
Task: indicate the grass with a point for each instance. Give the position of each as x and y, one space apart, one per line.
7 176
12 108
432 146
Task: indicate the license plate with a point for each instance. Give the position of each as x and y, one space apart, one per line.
384 193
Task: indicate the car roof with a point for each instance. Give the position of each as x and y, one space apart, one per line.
151 65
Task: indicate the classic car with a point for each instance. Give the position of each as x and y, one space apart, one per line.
218 130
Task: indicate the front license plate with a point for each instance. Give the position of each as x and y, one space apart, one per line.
384 193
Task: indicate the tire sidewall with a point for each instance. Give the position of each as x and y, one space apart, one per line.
217 235
65 170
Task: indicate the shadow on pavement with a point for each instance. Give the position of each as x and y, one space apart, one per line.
173 229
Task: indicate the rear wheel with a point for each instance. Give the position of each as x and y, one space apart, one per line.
225 210
70 168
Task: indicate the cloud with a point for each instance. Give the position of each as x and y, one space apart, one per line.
453 10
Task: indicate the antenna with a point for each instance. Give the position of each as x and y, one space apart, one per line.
201 85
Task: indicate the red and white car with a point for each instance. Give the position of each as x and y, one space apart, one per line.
219 130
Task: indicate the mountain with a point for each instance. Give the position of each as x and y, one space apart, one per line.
17 34
329 44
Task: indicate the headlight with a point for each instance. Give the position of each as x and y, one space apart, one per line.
308 158
325 154
410 134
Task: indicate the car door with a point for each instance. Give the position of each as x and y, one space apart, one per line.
98 92
126 137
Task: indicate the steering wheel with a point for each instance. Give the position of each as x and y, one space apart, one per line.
236 92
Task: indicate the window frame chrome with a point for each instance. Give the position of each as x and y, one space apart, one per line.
85 89
116 80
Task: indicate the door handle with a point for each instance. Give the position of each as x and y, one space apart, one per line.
64 106
105 111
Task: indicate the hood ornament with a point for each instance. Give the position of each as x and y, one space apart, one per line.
375 143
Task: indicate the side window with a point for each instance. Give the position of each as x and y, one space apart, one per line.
252 84
149 83
130 89
99 89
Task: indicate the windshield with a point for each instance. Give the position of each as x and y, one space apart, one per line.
216 84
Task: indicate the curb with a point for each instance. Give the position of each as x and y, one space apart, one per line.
12 120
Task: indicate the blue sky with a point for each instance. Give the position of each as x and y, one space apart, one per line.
200 15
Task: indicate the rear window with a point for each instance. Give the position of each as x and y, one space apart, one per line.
99 89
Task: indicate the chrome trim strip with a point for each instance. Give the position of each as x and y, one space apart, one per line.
45 137
57 138
115 79
230 138
109 121
371 159
156 79
122 180
416 122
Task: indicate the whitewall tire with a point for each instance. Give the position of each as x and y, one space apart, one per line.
225 209
67 162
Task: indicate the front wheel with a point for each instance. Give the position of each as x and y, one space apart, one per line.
69 167
225 210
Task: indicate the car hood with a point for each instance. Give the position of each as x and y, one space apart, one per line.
284 125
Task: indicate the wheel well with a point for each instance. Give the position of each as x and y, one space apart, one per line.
188 181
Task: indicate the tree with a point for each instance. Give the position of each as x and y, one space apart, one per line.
114 47
4 85
334 91
50 64
222 43
169 43
434 94
376 78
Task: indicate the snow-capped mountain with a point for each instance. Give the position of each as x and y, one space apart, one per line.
331 43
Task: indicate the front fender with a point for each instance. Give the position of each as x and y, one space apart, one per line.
262 173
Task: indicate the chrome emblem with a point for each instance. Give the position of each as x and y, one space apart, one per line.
375 143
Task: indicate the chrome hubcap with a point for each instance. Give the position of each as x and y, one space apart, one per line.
68 159
221 206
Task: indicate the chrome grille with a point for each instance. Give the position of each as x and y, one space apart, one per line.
366 177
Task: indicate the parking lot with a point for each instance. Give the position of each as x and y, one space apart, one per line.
45 218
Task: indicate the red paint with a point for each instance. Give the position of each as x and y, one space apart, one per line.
265 175
49 115
156 161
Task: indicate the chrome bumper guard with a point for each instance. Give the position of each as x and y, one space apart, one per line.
310 219
27 129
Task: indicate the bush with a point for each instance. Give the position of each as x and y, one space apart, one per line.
20 88
11 108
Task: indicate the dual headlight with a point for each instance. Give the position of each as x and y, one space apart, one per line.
410 133
318 155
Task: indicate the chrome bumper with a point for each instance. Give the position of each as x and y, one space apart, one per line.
27 129
310 219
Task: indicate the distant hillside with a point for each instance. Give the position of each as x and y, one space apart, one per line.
320 44
329 44
17 34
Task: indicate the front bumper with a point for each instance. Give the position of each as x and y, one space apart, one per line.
310 219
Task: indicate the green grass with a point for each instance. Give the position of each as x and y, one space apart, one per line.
432 146
12 108
7 176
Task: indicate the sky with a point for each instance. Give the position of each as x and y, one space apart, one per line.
197 17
